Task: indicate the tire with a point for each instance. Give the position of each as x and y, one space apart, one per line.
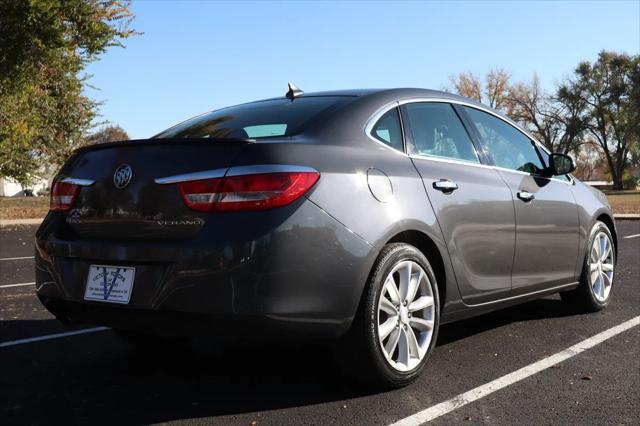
587 297
372 358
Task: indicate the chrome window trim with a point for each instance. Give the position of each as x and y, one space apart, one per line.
381 111
234 171
186 177
77 181
269 168
450 161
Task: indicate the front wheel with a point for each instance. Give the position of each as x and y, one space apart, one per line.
596 281
397 325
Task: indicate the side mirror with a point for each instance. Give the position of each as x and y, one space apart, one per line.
560 164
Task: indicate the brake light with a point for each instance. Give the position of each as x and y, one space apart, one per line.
247 192
200 194
63 196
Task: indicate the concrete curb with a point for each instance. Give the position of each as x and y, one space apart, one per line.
626 216
10 222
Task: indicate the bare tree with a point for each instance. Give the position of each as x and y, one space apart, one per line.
494 91
533 109
590 163
468 85
558 122
111 133
601 103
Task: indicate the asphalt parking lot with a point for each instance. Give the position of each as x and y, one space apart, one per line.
96 378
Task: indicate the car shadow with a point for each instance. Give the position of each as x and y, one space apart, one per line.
97 378
549 307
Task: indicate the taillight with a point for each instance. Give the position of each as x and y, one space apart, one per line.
247 192
200 194
63 196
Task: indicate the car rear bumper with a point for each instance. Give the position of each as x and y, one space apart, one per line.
303 279
187 324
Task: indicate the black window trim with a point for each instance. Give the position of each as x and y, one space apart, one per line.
476 138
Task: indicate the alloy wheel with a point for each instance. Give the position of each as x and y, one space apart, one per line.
406 316
601 264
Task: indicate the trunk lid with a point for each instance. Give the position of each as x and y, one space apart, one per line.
142 209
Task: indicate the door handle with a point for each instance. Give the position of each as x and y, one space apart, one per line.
445 185
526 196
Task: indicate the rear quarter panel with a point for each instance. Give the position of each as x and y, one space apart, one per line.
343 191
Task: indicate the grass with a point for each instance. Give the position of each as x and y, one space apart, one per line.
624 201
37 207
23 207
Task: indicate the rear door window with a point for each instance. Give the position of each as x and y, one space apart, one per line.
437 131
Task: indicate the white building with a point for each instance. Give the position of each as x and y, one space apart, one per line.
11 188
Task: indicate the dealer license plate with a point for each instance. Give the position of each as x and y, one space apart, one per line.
109 283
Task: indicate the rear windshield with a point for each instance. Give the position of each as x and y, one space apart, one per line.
257 120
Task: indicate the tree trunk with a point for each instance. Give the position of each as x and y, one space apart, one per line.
617 183
617 172
619 176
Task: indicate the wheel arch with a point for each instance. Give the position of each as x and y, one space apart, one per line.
426 245
608 220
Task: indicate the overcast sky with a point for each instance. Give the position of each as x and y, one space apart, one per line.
197 56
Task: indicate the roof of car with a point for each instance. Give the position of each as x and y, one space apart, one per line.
377 97
400 92
387 95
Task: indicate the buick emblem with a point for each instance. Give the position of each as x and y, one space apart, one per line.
122 176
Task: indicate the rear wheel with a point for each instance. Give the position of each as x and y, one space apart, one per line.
596 281
397 325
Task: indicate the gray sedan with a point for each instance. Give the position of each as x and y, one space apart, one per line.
367 216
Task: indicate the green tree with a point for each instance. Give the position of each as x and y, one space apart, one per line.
44 47
609 89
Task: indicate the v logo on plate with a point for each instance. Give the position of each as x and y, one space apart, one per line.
109 287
